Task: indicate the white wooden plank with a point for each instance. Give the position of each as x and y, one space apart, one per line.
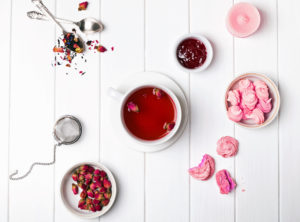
288 54
209 121
31 115
77 95
257 161
124 22
4 112
166 179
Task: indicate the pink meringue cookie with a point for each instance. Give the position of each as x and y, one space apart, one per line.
245 84
233 97
227 146
249 99
225 182
262 90
205 169
265 106
246 113
258 116
235 113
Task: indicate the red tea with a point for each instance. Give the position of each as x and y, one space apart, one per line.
149 113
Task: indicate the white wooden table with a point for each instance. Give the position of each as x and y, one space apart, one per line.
153 187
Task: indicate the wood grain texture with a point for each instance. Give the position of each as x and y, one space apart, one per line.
257 161
288 68
5 59
208 117
124 31
31 115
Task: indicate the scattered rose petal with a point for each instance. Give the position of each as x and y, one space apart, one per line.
82 6
225 182
205 169
227 146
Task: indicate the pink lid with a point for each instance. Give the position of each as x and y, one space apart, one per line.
243 20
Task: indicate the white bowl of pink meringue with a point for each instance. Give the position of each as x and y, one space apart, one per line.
252 100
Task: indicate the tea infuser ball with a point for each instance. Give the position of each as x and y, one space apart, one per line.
67 130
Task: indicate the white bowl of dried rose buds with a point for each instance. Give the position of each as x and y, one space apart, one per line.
88 189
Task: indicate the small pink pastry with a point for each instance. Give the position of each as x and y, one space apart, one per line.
233 97
258 116
243 19
249 99
265 106
235 113
225 182
245 84
227 146
262 90
205 169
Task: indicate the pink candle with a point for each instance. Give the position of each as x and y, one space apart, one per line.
243 20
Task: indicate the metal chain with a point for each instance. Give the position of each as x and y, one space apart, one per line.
11 177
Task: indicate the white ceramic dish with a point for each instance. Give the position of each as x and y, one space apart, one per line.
122 98
209 51
146 78
71 201
274 94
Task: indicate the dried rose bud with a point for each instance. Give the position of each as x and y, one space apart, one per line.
95 201
158 93
101 48
99 184
88 176
84 167
96 179
169 126
75 176
98 207
102 173
107 195
82 185
104 202
132 107
102 190
81 178
82 6
99 196
81 203
90 193
91 169
106 183
92 208
83 194
87 182
97 172
74 188
88 201
93 186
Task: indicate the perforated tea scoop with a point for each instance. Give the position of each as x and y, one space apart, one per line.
67 130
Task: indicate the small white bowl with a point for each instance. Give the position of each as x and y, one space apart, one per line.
274 94
209 51
71 201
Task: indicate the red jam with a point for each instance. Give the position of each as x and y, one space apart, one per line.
191 53
148 121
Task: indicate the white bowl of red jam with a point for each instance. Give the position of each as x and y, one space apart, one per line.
193 53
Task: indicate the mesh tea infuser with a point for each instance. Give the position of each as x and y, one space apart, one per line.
67 130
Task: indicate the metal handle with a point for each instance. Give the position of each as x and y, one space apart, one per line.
12 176
39 4
40 16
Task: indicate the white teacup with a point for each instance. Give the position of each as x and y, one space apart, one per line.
122 98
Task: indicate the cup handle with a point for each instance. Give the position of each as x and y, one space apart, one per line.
115 94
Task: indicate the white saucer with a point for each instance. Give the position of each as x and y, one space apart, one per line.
148 78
